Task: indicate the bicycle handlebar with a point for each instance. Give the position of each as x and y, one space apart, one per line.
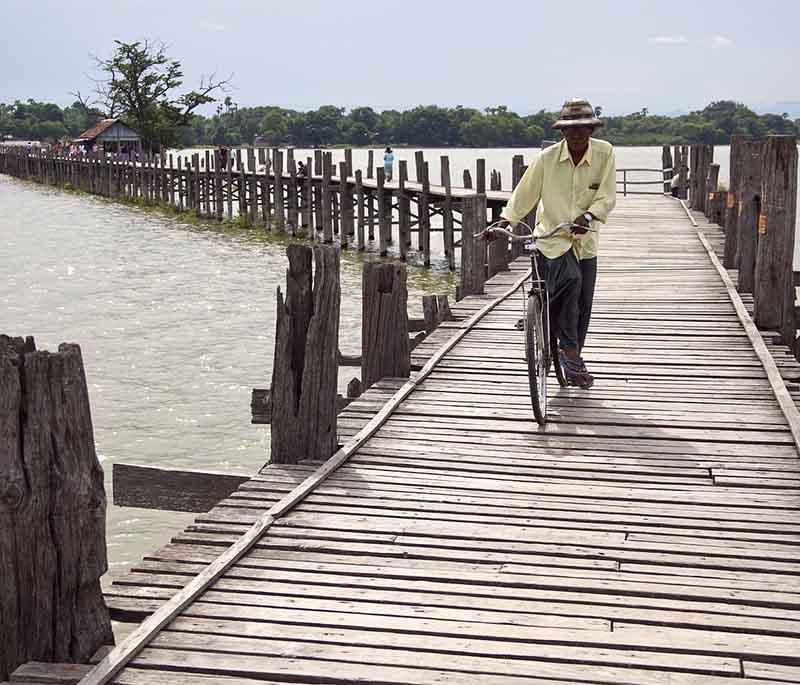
515 238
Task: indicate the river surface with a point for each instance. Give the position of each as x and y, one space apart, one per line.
176 322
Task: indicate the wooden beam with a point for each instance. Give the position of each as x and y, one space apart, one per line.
150 487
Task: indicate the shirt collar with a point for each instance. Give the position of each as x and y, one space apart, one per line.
565 156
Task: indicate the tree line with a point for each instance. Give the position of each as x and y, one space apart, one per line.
143 86
428 126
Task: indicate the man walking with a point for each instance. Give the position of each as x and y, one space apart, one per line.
575 180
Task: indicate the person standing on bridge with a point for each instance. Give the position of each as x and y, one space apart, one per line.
388 163
575 180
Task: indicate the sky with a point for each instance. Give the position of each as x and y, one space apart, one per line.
670 57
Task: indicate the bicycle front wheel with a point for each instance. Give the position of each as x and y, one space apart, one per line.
537 355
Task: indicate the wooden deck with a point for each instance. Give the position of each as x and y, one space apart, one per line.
648 535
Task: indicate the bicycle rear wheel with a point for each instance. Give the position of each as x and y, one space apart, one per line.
562 381
537 355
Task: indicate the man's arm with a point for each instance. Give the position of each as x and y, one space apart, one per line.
527 193
605 198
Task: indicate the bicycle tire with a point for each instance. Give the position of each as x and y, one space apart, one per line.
536 356
559 371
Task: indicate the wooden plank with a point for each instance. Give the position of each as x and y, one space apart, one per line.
785 401
128 649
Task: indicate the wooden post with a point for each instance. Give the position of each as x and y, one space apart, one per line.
480 176
384 322
52 510
517 171
774 285
384 213
712 182
360 209
473 251
666 165
317 190
684 173
335 217
277 170
370 163
749 159
403 210
447 214
308 197
325 200
370 199
305 370
422 198
229 184
197 185
425 217
346 204
291 188
497 257
467 179
241 186
702 157
252 183
348 160
731 202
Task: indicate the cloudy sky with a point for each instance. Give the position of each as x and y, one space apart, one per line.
623 55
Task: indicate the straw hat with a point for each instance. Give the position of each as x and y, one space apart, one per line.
577 112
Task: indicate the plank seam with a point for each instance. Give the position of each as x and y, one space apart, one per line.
782 395
119 657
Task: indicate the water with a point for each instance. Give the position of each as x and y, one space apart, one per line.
176 321
176 325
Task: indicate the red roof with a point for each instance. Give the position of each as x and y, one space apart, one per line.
97 129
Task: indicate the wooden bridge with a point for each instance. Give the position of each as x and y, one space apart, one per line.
649 534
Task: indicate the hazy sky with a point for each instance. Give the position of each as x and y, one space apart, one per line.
623 55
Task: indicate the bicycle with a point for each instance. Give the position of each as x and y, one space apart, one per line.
541 347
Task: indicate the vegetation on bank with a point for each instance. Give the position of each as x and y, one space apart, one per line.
422 126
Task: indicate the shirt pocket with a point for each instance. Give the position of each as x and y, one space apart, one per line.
587 194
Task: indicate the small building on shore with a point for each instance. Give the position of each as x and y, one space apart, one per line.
111 135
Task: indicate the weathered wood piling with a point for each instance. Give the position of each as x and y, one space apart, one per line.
384 322
304 372
759 216
52 510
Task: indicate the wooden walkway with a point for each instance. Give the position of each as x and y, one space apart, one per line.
648 535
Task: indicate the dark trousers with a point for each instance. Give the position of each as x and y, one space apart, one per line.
570 286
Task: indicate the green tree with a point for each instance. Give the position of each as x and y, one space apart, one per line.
139 85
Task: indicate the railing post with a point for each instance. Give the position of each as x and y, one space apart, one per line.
666 165
731 202
774 284
712 183
473 251
748 201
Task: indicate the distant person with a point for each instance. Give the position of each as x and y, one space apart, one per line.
301 170
675 185
388 163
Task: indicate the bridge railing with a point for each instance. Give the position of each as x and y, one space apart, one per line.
637 181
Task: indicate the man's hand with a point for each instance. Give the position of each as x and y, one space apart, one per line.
489 234
581 225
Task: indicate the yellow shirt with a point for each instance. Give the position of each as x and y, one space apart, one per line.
567 191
